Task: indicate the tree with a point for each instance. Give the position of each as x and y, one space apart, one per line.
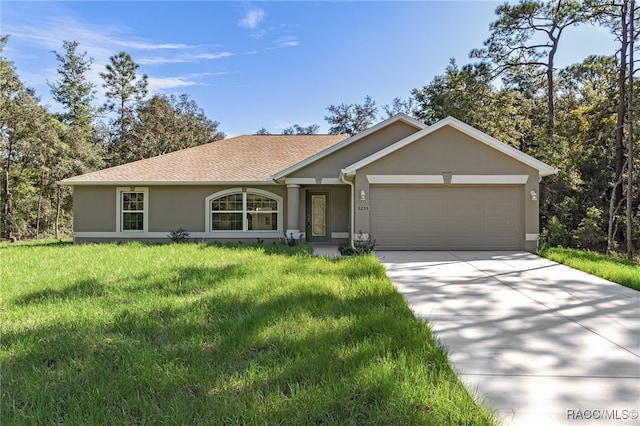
467 94
262 131
168 123
297 129
630 134
399 105
352 118
28 137
621 17
123 91
514 43
73 90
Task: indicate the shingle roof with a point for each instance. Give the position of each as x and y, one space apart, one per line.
249 158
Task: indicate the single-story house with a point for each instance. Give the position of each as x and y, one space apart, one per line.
407 185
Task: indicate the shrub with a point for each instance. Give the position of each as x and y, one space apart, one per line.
589 234
179 235
345 248
360 246
555 233
289 240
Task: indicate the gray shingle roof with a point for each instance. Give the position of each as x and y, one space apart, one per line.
248 158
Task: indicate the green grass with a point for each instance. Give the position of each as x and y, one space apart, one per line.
614 269
198 334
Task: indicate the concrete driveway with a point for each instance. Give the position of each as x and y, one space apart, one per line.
538 342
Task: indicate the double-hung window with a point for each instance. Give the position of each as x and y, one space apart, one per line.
244 211
132 209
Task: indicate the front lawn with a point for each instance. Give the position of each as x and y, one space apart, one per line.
199 334
610 268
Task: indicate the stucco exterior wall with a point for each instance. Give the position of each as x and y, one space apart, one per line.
331 165
94 209
449 152
171 207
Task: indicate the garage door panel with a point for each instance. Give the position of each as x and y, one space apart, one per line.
449 218
498 208
506 224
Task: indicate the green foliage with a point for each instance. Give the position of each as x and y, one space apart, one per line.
179 235
350 119
554 234
201 334
589 233
297 129
611 268
290 240
124 90
73 90
345 249
361 245
168 123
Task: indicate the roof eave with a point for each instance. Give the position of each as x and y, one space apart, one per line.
166 183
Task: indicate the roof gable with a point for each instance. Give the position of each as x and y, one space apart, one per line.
543 168
348 141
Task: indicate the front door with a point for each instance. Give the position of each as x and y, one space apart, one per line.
317 229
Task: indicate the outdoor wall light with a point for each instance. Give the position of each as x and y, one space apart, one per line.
534 195
363 195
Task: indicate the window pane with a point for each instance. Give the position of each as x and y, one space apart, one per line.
262 221
231 202
257 202
132 201
226 221
132 221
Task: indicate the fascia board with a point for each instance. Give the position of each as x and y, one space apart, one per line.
164 183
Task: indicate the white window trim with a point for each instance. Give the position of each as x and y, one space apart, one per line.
245 232
145 216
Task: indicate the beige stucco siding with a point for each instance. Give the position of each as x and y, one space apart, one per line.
447 150
94 209
331 165
445 153
171 207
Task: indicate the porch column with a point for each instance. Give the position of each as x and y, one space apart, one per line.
293 206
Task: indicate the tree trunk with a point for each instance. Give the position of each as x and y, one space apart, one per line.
58 202
630 136
613 211
8 208
618 157
551 111
618 162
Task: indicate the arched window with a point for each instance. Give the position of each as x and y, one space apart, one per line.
236 210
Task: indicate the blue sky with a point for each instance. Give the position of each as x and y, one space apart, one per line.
265 64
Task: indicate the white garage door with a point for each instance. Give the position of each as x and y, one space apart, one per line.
447 218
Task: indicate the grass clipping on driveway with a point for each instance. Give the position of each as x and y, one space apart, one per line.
198 334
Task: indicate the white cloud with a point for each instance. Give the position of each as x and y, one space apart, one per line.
165 83
252 19
144 45
159 60
213 55
288 41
